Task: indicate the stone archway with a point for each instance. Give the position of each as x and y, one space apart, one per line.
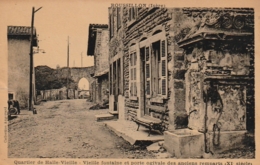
83 88
83 84
77 73
82 76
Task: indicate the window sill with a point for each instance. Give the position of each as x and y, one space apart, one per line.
157 99
129 23
133 98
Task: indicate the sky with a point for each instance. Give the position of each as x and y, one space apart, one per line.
59 19
54 22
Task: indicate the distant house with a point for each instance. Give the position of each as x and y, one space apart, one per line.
98 47
19 63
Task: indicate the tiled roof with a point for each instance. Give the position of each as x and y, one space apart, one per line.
19 30
100 73
105 26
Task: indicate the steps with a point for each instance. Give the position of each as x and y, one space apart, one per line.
106 116
111 115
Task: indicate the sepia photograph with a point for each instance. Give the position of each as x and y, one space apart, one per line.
91 82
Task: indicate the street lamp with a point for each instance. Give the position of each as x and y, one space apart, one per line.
38 51
31 64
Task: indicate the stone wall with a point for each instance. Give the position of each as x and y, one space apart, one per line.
101 52
76 73
101 57
57 94
147 22
104 89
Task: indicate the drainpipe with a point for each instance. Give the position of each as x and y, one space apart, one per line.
206 100
205 126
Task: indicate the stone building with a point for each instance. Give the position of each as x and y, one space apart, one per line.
98 47
195 64
19 63
116 61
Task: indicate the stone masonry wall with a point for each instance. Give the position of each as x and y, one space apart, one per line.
101 52
146 21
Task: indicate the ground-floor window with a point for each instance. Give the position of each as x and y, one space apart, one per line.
133 71
148 68
115 77
155 69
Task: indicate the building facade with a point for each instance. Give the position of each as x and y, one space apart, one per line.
98 47
195 63
19 63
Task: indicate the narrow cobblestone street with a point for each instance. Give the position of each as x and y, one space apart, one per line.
66 129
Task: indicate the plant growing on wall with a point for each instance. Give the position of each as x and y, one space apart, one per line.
48 78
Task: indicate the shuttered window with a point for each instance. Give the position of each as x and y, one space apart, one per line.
132 14
147 72
133 72
111 23
156 79
154 65
118 17
164 72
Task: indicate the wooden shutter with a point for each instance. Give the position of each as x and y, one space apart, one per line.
112 24
118 17
129 14
148 71
164 70
131 89
134 13
133 76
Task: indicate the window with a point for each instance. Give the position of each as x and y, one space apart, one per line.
114 86
111 23
152 62
147 72
132 14
118 18
118 76
10 96
156 70
132 68
111 79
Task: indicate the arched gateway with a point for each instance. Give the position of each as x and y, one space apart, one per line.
74 74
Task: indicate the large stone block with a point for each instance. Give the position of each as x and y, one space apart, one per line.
227 140
184 143
102 117
121 107
111 102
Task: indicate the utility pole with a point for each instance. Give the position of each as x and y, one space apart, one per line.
68 54
81 60
31 63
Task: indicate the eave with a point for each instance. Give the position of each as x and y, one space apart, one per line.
212 34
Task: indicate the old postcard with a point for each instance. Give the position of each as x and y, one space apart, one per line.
129 82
